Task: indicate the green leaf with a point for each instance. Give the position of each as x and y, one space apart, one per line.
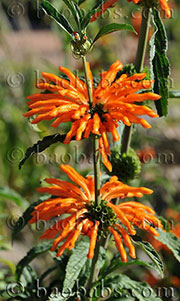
117 264
33 253
28 276
151 252
138 290
41 145
52 12
160 66
74 10
7 193
76 262
112 28
174 94
24 219
171 241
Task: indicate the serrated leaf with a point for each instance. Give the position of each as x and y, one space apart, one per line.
53 13
136 289
33 253
171 241
7 193
76 262
151 252
160 66
174 94
109 28
41 145
24 219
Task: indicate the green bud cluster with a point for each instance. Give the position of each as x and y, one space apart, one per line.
102 213
80 45
125 166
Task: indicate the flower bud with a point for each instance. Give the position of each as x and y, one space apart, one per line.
125 166
80 45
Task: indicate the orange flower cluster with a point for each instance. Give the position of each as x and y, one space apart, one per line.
75 200
113 102
109 3
163 3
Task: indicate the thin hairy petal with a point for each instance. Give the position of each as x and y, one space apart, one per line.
72 132
96 124
165 7
76 82
119 244
93 239
64 118
75 177
88 129
132 204
75 236
82 126
122 218
67 187
127 240
102 151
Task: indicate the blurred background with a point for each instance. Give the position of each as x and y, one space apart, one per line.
31 43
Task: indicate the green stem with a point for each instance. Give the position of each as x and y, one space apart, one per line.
139 63
96 164
96 160
126 141
143 39
88 82
94 270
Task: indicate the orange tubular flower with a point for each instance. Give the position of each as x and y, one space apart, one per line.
85 218
109 3
104 7
113 102
163 3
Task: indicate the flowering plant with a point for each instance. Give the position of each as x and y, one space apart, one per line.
85 214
